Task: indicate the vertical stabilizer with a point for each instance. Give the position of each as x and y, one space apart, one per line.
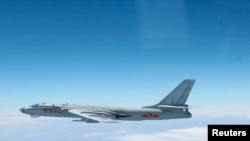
178 96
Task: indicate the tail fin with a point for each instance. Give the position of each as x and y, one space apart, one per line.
178 96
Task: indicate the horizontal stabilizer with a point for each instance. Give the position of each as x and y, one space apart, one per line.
171 106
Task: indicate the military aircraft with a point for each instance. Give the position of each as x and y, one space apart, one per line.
170 107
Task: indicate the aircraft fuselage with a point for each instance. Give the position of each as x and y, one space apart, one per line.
113 112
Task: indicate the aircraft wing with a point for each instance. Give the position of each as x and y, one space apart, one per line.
93 116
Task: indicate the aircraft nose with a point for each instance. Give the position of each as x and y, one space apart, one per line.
22 110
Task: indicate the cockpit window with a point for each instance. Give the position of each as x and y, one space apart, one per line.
42 105
35 105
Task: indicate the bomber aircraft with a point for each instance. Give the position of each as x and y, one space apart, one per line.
171 106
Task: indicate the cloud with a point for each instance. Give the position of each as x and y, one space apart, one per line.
214 113
247 116
15 120
93 135
187 134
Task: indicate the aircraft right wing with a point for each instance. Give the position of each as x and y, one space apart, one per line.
92 116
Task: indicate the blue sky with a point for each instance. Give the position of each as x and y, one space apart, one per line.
122 53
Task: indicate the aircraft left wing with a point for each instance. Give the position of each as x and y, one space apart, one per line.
92 116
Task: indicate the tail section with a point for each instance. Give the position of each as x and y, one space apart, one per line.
176 97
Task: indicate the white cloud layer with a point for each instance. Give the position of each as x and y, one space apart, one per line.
187 134
19 120
213 113
91 135
14 120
